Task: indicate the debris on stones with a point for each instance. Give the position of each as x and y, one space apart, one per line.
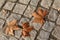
39 16
11 26
26 29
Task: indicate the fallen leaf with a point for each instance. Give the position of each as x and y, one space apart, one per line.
11 26
4 11
39 16
26 29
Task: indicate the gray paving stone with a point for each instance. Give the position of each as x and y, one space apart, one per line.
12 38
12 0
1 3
46 3
58 20
51 39
48 26
21 38
9 5
4 16
13 16
29 11
36 26
53 15
43 35
34 2
56 32
42 39
33 34
18 33
56 4
1 23
23 20
2 37
27 38
24 1
19 8
58 39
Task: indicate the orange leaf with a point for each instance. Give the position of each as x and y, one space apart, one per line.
11 26
36 15
39 16
26 29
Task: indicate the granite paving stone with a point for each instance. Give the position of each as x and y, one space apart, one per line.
58 20
43 34
12 0
4 15
12 38
1 23
56 32
46 3
23 20
19 8
24 1
18 33
53 15
13 16
34 2
1 3
29 11
48 26
9 5
56 4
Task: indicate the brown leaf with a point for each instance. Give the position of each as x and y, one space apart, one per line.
4 11
36 15
40 12
39 16
11 26
26 29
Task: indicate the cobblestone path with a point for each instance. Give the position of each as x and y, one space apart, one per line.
22 10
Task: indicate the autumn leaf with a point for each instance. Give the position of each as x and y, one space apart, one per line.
39 16
26 29
11 26
4 11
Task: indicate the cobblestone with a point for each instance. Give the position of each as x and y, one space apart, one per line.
23 20
9 5
46 3
58 20
19 8
34 2
12 38
29 11
24 1
22 10
53 15
42 39
36 26
18 33
1 23
56 32
1 3
12 0
13 16
4 16
48 26
56 4
43 35
33 34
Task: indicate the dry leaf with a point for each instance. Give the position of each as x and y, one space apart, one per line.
4 11
26 29
11 26
39 16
